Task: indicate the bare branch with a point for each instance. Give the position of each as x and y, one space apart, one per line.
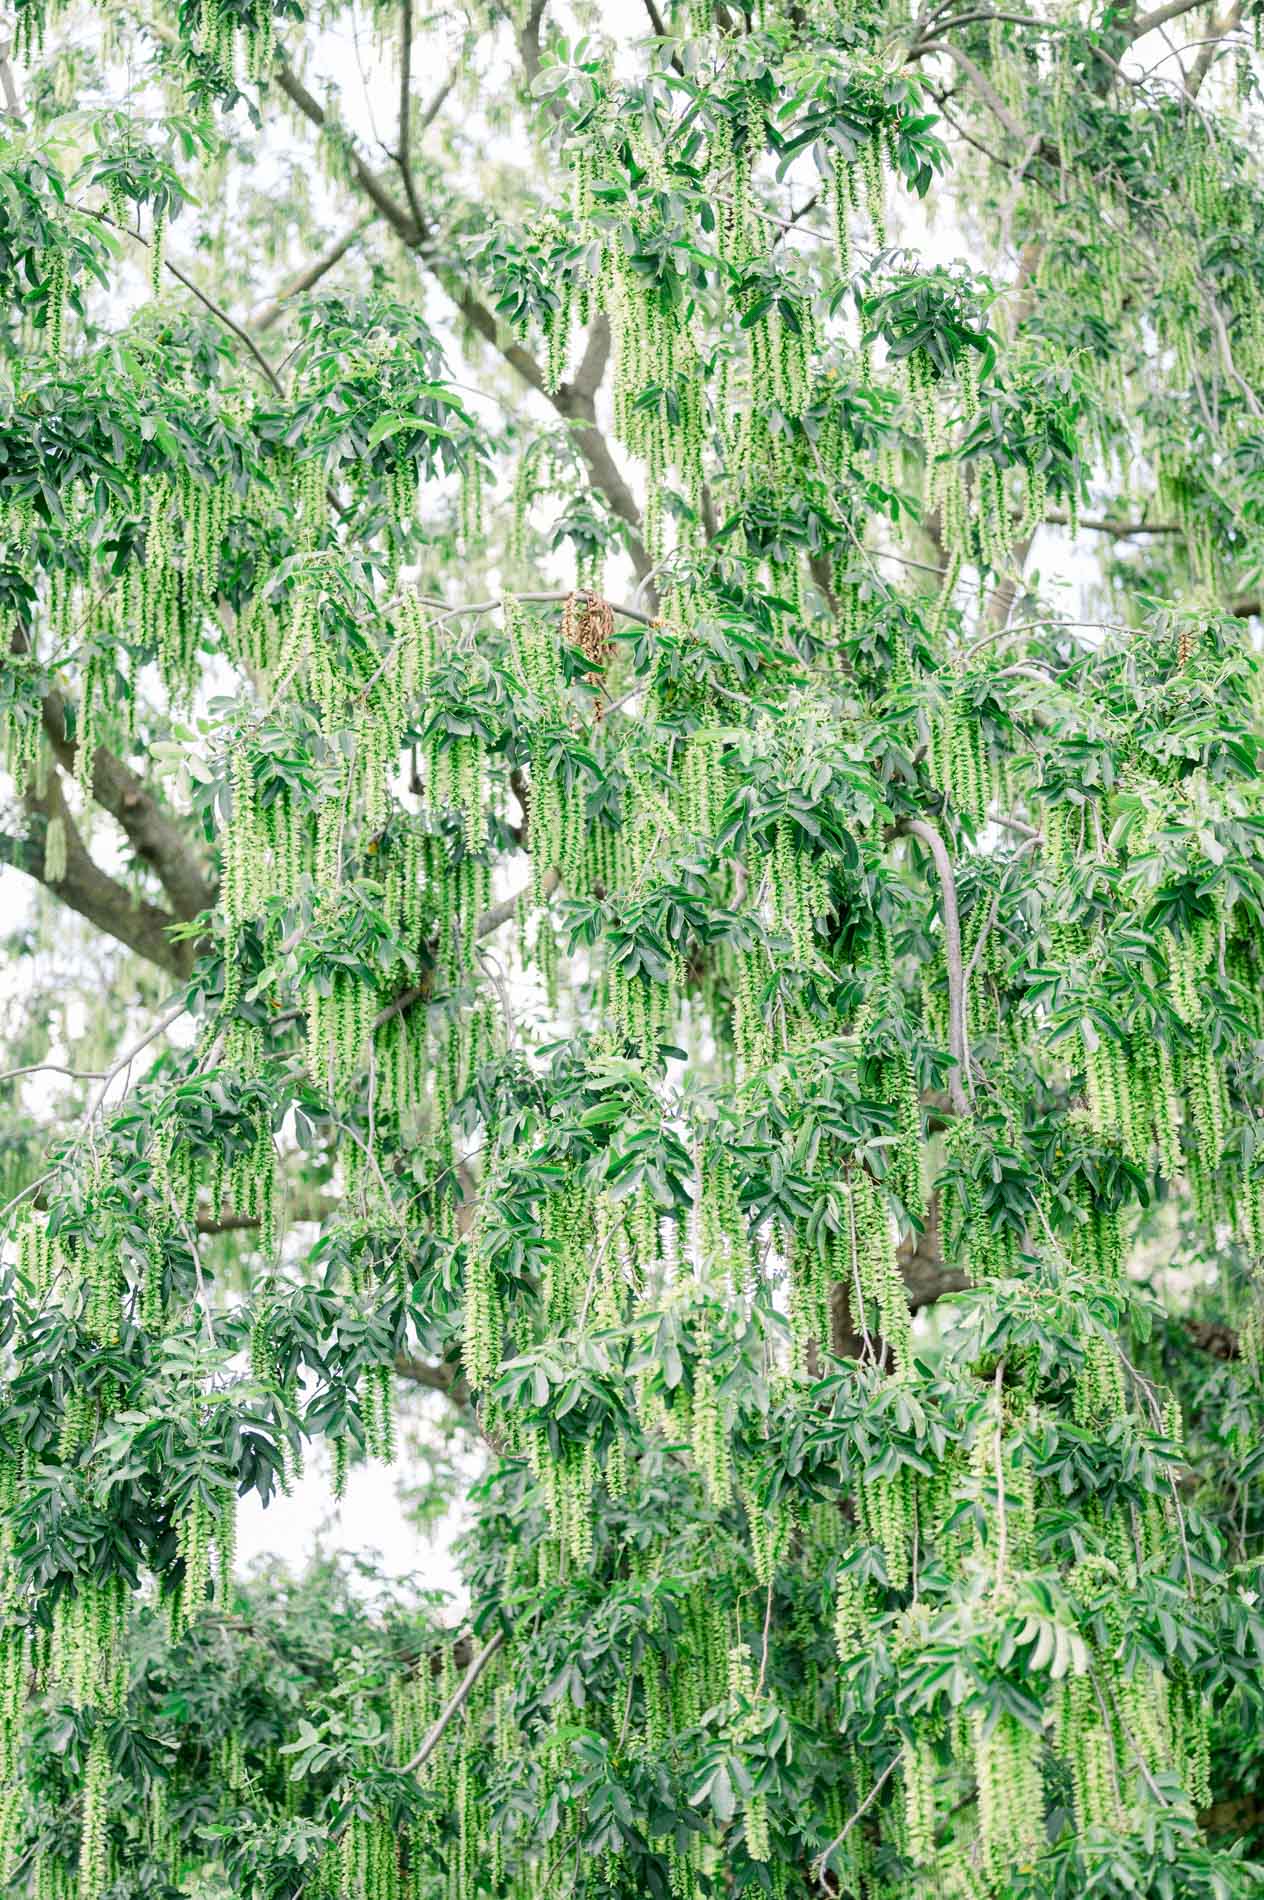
373 187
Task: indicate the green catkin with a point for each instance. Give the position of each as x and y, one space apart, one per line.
94 1853
481 1342
920 1774
1010 1797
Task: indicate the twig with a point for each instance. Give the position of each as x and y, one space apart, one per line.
1033 838
124 1062
54 1068
457 1702
490 606
312 274
823 1860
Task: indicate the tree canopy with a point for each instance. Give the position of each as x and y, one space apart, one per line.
633 716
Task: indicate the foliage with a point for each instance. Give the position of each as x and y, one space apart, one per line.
783 1052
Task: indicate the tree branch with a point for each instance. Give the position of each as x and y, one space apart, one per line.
139 926
305 279
587 379
977 78
1160 17
959 1078
154 837
529 40
459 1698
373 187
490 921
404 157
1220 32
444 1377
572 401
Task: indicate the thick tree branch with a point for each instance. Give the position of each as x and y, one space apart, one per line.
529 40
404 156
154 836
444 1377
1160 17
1220 32
85 888
592 368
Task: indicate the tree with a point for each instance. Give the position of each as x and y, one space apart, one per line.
664 785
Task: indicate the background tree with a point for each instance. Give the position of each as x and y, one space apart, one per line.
782 1051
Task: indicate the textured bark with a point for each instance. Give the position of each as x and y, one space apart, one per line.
85 888
154 836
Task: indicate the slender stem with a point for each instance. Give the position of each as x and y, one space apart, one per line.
459 1698
1029 841
824 1858
220 315
763 1661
